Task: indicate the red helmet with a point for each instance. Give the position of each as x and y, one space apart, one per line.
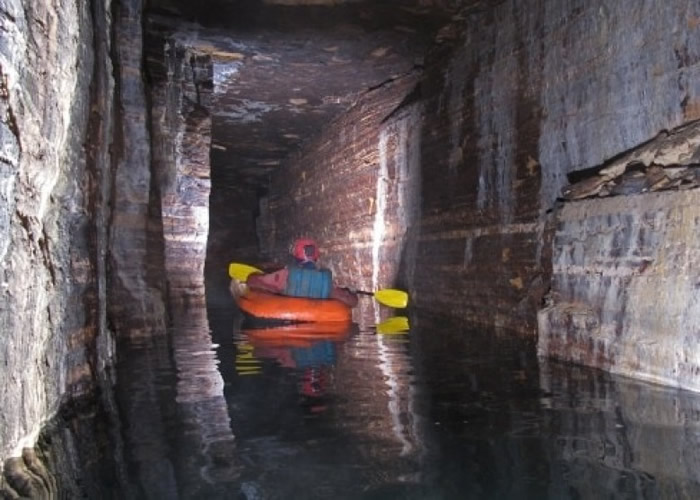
305 249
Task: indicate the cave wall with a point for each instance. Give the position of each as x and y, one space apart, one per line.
80 215
181 84
513 101
517 97
625 289
49 312
355 189
566 87
136 251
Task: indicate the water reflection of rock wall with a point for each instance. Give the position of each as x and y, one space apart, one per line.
375 374
208 450
635 439
504 424
625 287
176 425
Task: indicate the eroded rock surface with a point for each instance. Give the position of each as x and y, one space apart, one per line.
625 287
48 346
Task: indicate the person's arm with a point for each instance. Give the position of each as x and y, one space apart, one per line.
344 295
271 282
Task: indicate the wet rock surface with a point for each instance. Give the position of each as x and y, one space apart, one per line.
517 96
436 173
624 293
625 286
48 277
162 432
180 121
668 162
354 190
283 70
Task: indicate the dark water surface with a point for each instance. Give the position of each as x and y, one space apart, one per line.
441 412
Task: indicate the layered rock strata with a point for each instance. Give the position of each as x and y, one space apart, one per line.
181 84
625 288
82 249
355 189
516 97
52 311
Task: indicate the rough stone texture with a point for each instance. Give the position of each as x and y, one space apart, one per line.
75 173
626 287
354 190
517 96
280 74
136 256
670 161
283 71
47 250
181 81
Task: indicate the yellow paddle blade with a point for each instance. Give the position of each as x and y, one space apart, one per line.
392 298
396 324
241 272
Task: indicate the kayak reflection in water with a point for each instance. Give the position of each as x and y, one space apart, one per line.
313 359
316 364
314 367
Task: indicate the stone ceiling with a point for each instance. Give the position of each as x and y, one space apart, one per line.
284 68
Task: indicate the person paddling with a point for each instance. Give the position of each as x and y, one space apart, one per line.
303 278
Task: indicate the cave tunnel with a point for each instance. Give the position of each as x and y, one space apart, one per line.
526 172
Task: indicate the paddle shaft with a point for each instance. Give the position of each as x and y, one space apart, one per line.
388 297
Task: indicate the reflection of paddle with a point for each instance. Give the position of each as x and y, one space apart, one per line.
388 296
395 324
246 362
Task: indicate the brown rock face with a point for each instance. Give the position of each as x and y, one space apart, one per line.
181 128
49 287
135 253
353 190
624 293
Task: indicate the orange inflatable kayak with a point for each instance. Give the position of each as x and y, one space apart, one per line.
279 307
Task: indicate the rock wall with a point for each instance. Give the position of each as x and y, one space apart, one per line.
49 311
517 97
181 84
625 286
516 101
355 189
625 290
136 251
80 215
